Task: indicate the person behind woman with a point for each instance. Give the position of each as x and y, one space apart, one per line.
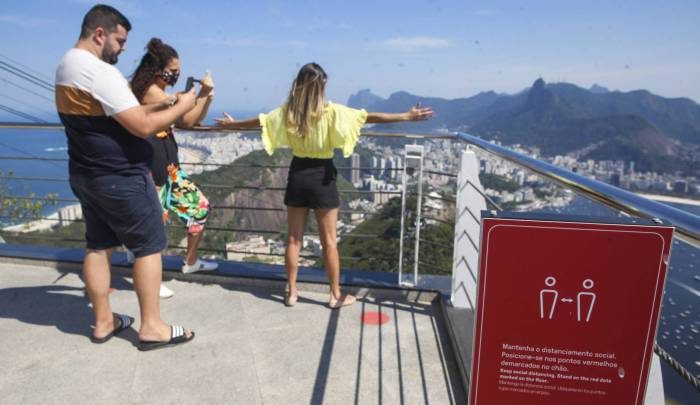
313 128
160 68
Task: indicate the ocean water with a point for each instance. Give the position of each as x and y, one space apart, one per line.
35 143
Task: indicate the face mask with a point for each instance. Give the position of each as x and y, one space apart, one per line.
170 78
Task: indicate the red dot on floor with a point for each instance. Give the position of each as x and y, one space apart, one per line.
111 290
375 318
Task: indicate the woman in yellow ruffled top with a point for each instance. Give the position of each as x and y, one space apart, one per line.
313 128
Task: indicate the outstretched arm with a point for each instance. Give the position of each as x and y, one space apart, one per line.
414 114
229 123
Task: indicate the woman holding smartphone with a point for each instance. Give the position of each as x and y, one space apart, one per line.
160 68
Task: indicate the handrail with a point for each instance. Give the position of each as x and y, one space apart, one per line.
31 125
687 225
365 133
386 134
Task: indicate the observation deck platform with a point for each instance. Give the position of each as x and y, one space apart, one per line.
249 348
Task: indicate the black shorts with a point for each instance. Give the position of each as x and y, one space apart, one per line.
121 210
164 153
311 184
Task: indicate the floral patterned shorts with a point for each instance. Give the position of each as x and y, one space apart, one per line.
183 198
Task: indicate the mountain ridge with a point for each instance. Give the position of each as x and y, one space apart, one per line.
659 134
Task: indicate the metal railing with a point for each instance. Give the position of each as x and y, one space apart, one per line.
687 225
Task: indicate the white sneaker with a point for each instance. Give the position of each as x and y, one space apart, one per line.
165 292
199 265
130 258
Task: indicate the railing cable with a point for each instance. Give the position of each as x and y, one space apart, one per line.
20 114
677 367
27 76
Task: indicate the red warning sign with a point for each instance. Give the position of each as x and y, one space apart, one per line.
567 311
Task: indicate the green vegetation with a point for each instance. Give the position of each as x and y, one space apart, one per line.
380 251
258 259
72 235
512 205
20 210
13 209
498 183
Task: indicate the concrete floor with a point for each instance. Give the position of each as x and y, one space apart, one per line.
249 348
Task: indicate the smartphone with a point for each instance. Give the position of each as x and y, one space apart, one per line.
190 83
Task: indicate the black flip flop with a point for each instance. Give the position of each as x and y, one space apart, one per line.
125 323
177 336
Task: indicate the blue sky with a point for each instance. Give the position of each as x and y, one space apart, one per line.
433 48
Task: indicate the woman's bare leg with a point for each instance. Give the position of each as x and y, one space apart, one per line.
326 219
193 240
296 221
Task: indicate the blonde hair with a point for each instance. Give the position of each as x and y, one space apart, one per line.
306 99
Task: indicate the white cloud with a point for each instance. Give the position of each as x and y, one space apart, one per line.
23 21
485 12
413 44
251 42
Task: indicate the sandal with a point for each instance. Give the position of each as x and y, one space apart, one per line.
125 322
345 300
177 336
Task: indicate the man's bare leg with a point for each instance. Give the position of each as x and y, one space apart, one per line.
97 276
148 274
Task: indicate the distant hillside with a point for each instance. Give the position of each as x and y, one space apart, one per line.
598 89
450 114
562 118
679 118
364 98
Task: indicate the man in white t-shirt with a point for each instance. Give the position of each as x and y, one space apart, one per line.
109 161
